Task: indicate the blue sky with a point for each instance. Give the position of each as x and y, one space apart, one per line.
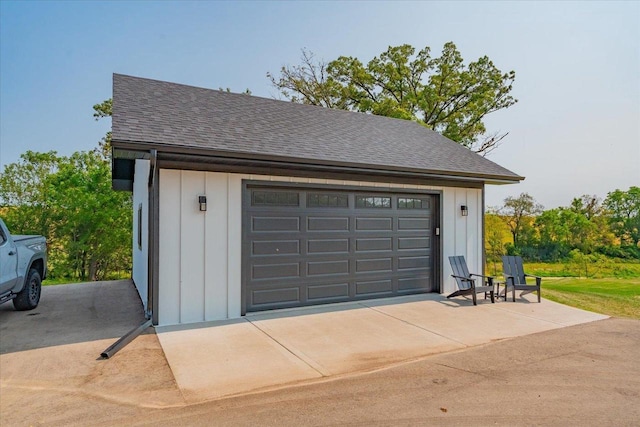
574 131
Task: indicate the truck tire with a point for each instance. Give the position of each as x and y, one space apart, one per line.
29 296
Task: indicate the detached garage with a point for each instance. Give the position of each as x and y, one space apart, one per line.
246 204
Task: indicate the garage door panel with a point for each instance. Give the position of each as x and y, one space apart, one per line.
374 244
324 246
270 271
414 242
341 247
327 268
271 296
375 287
374 224
375 264
275 224
327 224
316 293
414 224
414 283
413 262
275 247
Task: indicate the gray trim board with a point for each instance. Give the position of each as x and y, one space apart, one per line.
335 175
253 183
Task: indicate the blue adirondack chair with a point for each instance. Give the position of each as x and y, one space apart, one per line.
516 278
467 283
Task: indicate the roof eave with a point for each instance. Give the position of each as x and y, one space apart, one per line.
138 149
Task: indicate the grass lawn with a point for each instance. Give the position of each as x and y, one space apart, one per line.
71 280
613 297
59 281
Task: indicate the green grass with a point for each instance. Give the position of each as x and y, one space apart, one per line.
60 281
608 286
603 268
51 281
600 268
610 296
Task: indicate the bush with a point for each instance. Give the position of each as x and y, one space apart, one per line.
553 252
622 252
590 265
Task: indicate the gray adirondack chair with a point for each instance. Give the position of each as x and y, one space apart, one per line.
467 283
516 278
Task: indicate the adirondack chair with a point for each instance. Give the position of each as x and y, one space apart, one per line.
466 282
516 279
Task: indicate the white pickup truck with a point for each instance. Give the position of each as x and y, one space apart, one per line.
23 266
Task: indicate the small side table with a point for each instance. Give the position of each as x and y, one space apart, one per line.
497 285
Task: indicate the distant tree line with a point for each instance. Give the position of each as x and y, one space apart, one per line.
588 226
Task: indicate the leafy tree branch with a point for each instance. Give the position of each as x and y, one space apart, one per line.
441 93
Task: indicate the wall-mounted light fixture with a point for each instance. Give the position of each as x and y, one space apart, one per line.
202 200
464 210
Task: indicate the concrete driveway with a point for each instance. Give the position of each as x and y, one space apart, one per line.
52 352
69 314
269 350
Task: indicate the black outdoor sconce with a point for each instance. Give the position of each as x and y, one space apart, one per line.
203 203
464 210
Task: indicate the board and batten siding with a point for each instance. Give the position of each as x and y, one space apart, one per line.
141 229
200 253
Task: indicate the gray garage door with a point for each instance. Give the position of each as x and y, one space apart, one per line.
309 246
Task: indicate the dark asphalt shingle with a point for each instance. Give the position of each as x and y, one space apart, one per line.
148 112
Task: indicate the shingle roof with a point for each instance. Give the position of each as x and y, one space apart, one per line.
150 112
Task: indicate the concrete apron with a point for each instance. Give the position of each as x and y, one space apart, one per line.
270 350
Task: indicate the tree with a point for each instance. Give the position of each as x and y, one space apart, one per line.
494 239
70 201
440 93
554 232
518 213
564 229
624 214
25 184
93 222
587 205
102 110
309 83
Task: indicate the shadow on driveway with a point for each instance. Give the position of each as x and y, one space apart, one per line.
69 314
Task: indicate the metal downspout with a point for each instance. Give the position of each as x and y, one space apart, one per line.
151 241
126 339
150 314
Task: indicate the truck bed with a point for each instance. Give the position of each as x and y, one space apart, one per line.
22 238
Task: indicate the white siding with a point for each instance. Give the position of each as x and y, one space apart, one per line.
170 224
192 247
216 254
234 245
201 252
461 235
140 252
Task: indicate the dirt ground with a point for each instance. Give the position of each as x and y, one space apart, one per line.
582 375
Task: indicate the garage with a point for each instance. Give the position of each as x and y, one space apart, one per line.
306 246
243 204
